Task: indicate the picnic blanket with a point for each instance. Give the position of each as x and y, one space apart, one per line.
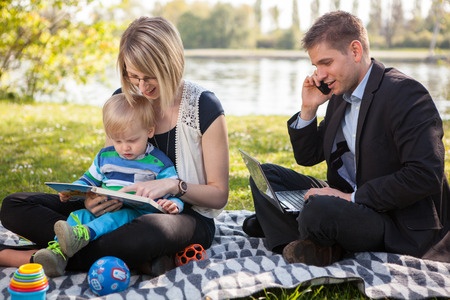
239 266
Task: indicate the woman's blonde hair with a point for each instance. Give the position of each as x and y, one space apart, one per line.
153 46
118 114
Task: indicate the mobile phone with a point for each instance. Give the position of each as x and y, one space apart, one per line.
324 88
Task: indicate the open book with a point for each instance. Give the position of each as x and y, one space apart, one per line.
79 190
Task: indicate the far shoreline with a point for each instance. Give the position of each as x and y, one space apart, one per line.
395 55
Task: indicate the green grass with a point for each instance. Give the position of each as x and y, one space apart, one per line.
55 142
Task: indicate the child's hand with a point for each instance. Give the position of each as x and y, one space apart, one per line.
99 205
168 206
64 197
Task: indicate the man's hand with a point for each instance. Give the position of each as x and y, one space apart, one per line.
312 98
327 191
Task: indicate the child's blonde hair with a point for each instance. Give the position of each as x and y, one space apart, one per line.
118 114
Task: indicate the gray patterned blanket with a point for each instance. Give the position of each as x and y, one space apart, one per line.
239 266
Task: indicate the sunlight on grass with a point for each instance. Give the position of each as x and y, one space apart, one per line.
46 142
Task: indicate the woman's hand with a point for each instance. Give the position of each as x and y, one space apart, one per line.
168 206
100 205
153 189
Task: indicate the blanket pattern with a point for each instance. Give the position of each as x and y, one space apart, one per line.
239 266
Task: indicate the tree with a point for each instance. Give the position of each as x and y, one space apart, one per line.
274 13
228 27
172 10
415 24
295 16
436 12
335 5
258 15
415 33
191 29
295 22
222 26
44 42
375 24
315 5
394 23
355 7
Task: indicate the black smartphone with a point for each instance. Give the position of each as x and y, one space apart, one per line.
324 88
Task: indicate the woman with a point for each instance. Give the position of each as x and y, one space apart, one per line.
191 130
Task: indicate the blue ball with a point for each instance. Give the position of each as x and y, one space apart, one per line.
108 275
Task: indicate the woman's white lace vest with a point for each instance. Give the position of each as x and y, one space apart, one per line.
188 142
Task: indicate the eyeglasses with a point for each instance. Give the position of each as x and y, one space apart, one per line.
136 80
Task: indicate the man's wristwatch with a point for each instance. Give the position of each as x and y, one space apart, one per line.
182 188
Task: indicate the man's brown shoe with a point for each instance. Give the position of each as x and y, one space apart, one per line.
309 253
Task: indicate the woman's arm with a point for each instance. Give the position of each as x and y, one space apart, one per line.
216 159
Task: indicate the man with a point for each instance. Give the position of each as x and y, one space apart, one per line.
382 141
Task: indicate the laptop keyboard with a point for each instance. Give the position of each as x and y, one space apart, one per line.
293 200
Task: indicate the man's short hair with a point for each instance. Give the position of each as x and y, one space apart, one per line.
338 29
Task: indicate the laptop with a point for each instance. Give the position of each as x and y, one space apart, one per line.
290 202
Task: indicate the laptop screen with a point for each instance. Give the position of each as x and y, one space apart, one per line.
257 174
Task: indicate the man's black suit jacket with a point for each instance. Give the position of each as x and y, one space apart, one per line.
399 159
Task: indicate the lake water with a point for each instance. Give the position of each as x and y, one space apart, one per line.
265 86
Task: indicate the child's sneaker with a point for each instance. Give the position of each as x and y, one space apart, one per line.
52 260
71 238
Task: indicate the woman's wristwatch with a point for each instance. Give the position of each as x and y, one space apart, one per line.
182 188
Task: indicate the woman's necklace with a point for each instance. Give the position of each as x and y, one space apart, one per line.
176 108
167 144
168 136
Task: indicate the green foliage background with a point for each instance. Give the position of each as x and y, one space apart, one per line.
46 43
43 42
